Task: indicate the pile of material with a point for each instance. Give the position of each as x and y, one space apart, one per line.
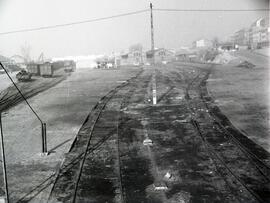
246 64
224 58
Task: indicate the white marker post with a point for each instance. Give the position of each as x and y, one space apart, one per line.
154 89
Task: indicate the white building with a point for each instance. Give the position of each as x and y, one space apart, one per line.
202 43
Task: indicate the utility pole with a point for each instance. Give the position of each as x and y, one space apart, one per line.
152 33
3 160
154 85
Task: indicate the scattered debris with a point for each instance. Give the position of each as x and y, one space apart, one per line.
181 121
160 186
2 200
148 142
246 64
179 97
168 175
121 81
224 58
181 197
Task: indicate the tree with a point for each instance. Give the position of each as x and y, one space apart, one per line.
25 52
215 42
136 47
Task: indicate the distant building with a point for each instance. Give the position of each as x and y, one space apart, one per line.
202 43
185 55
161 55
241 37
132 58
9 64
259 33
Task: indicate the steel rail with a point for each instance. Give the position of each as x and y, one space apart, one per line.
107 98
212 150
243 148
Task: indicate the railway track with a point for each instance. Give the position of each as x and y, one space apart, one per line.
88 144
260 173
261 165
106 136
10 96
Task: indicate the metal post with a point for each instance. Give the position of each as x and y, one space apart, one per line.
43 125
152 33
3 160
44 139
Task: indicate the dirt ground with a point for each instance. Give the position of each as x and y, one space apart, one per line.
4 80
243 95
192 155
63 108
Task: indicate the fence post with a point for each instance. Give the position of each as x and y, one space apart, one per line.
44 139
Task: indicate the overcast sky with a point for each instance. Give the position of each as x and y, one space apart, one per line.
172 29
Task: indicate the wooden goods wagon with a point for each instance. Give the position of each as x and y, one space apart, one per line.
33 68
46 69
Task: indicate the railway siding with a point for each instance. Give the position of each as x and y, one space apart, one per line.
192 155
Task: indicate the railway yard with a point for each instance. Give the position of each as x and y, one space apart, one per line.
134 101
124 148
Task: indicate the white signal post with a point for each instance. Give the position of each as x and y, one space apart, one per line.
154 89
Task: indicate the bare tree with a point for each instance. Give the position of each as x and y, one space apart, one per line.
25 52
136 47
215 42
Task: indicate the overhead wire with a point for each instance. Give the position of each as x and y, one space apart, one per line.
127 14
73 23
212 10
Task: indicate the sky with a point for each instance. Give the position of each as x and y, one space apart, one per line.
171 29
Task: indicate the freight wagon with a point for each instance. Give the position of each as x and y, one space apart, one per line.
33 68
69 66
58 65
46 69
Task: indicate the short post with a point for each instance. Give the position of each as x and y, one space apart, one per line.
154 89
3 160
44 139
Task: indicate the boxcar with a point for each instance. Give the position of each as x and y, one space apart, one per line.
33 68
69 66
46 69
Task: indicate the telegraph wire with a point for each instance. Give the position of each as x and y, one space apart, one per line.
73 23
211 10
128 14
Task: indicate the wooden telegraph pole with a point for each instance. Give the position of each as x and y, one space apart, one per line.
154 86
152 33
